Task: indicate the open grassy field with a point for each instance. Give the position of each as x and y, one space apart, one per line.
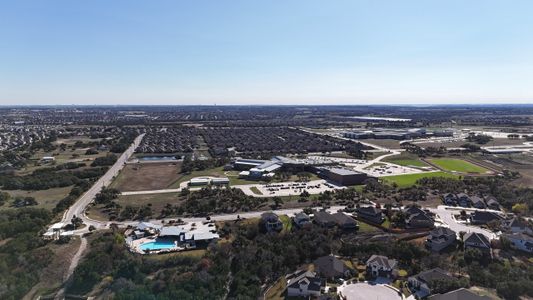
457 165
158 201
406 159
147 176
46 198
410 179
409 162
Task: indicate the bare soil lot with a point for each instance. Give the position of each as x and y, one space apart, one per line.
148 176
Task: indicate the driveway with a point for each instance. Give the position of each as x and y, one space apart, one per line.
445 214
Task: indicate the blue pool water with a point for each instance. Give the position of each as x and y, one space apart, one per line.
154 158
157 245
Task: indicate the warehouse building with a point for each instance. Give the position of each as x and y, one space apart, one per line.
343 176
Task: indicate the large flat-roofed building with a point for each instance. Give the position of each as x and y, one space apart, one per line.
343 176
247 164
396 134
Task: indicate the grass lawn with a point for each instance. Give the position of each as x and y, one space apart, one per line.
256 190
409 162
386 223
364 227
410 179
457 165
46 198
287 223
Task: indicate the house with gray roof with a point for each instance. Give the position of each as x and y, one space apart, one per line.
484 217
424 281
304 284
271 222
440 238
345 222
478 202
476 240
301 219
417 218
520 241
324 219
381 266
517 225
371 214
331 267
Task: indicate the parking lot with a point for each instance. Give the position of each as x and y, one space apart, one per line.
287 188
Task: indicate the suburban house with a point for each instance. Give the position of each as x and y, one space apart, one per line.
330 267
450 199
301 219
371 214
324 219
478 202
345 222
303 284
463 200
381 266
492 203
484 217
517 225
520 241
271 222
440 238
459 294
190 236
424 281
477 241
417 218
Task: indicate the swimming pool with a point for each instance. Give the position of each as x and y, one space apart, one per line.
157 245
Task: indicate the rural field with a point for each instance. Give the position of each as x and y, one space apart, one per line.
410 179
45 198
458 166
147 176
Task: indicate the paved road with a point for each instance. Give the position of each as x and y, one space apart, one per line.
78 208
445 214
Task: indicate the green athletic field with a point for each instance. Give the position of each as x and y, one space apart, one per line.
409 162
410 179
457 165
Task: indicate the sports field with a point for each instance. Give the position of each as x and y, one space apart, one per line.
410 179
458 165
409 162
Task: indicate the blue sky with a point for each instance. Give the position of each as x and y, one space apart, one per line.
266 52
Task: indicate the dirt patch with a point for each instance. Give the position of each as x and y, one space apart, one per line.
149 176
386 143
